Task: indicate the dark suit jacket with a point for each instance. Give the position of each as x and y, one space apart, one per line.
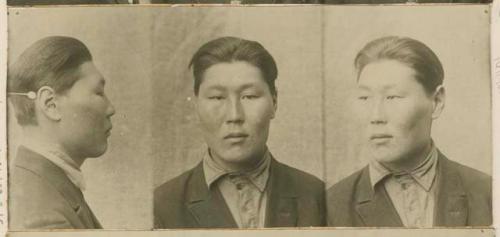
41 196
463 199
295 199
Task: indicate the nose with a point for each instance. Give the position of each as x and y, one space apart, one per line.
378 113
235 112
110 111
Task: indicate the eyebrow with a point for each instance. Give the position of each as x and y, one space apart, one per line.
386 87
221 87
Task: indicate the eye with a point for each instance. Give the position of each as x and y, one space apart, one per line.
391 97
216 97
100 93
250 97
362 97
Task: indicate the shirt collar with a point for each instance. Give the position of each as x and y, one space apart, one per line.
258 175
54 154
424 174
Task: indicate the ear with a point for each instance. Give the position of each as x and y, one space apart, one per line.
47 104
275 105
439 101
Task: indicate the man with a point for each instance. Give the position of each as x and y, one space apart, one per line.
408 182
59 101
238 183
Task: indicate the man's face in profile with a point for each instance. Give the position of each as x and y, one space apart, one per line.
235 107
86 114
394 110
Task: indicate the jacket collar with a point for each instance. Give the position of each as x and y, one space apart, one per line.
373 204
210 210
207 206
376 209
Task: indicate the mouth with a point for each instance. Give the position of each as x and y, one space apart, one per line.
379 137
108 132
236 137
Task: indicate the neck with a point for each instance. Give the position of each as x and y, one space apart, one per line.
411 160
35 136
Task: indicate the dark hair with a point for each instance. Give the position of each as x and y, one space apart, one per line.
52 61
231 49
413 53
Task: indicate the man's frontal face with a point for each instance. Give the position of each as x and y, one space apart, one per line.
235 108
394 111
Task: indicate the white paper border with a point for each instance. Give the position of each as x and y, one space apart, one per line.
495 96
3 118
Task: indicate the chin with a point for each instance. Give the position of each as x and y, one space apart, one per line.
98 152
385 156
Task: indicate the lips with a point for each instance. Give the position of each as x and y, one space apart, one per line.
380 136
236 137
108 131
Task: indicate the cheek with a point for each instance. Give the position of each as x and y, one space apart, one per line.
411 119
87 115
259 116
210 116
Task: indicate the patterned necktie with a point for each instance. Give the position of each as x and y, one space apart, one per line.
247 201
411 200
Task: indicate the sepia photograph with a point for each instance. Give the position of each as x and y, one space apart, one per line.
208 117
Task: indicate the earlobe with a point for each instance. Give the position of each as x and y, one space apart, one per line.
47 103
439 101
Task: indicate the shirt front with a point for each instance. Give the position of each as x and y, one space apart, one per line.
412 193
54 154
245 192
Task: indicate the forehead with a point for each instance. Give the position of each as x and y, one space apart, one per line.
386 74
89 74
232 75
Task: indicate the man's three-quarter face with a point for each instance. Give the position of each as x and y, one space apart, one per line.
85 114
235 107
394 110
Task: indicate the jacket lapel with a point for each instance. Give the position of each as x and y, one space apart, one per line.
207 206
54 175
375 207
282 206
452 205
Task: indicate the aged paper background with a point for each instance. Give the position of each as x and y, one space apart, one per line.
144 52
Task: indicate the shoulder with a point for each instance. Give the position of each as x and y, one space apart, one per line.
174 189
299 178
26 184
35 203
343 190
473 180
